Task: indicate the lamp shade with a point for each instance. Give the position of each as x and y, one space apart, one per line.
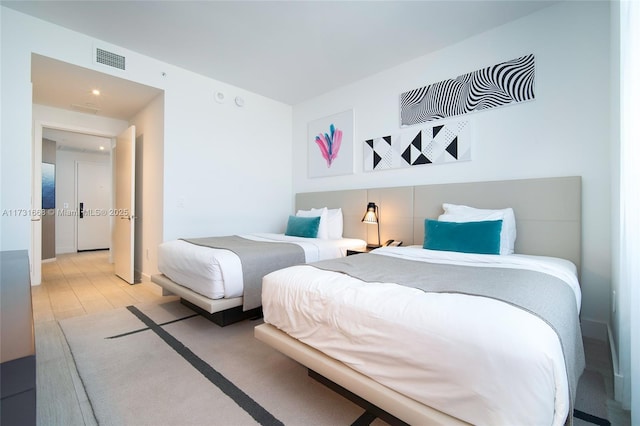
371 216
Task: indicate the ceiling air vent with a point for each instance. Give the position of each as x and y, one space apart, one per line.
89 108
110 59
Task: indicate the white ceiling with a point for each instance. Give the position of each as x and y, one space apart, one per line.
79 142
290 51
62 85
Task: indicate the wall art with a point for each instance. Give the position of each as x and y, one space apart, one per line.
438 144
498 85
330 145
48 186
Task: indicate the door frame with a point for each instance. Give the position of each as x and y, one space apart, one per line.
36 186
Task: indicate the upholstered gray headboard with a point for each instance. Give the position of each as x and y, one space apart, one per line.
548 211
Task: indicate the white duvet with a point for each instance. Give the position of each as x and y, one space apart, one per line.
475 358
217 273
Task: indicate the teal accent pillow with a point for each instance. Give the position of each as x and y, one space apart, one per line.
466 237
306 227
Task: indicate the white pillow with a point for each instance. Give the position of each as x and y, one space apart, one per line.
458 213
323 229
335 224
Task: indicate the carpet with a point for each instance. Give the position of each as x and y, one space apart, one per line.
133 377
164 365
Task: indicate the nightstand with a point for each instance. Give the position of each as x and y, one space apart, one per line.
367 249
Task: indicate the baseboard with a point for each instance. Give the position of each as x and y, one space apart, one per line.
63 250
52 259
594 329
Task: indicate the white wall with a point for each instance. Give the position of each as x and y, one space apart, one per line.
149 183
226 169
564 131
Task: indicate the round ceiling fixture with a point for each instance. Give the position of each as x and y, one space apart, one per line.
219 97
239 101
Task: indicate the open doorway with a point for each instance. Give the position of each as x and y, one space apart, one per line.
64 100
81 164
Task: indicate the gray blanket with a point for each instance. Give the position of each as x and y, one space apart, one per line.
543 295
258 258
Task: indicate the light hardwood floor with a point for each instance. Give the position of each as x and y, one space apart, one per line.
73 285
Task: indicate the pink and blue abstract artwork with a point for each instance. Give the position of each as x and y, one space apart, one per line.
329 144
330 149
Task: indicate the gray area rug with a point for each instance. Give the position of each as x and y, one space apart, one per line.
134 377
164 365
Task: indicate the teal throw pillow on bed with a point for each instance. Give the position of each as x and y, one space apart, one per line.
466 237
306 227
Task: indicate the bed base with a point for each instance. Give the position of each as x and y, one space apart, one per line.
221 311
372 411
393 403
227 316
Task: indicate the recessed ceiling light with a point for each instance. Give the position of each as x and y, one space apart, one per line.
96 92
102 148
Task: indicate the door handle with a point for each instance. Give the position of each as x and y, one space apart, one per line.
81 210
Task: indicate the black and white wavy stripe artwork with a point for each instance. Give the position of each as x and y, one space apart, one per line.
502 84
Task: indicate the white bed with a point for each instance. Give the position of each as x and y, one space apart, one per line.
211 279
452 352
442 358
217 273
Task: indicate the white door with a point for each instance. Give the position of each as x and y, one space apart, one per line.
93 186
125 195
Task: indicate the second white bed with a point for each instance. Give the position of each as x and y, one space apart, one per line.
475 358
217 273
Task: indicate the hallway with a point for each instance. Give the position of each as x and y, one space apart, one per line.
75 284
78 284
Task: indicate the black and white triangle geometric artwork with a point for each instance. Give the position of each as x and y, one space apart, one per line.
443 143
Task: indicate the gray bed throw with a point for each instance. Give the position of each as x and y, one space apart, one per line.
258 258
543 295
